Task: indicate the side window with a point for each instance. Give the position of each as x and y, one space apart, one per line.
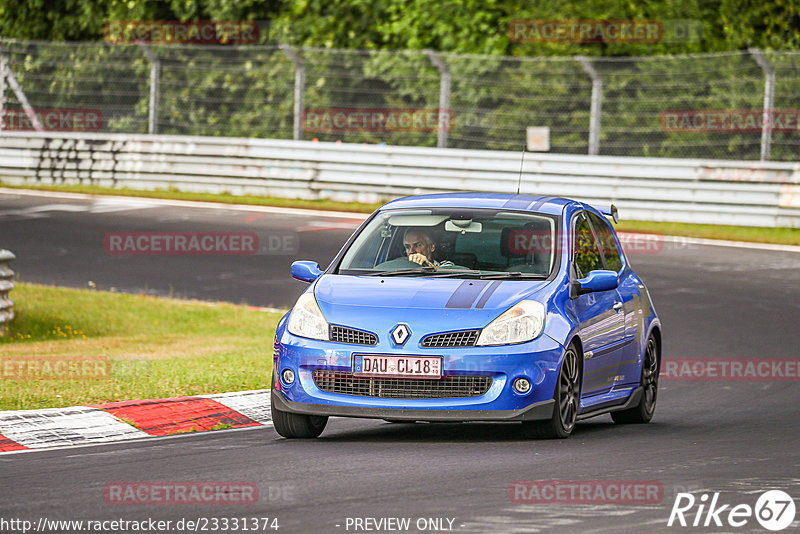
585 252
606 237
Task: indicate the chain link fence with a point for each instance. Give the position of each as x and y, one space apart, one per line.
658 106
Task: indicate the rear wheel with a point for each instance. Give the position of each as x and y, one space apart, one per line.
567 396
643 412
296 425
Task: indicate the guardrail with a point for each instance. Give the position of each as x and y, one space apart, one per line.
6 285
658 189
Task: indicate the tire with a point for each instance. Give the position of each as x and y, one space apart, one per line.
567 395
643 412
299 426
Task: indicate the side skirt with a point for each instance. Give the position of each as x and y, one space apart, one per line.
632 401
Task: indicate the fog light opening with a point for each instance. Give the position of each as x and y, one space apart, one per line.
522 385
288 377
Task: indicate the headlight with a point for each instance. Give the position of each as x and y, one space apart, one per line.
522 322
307 319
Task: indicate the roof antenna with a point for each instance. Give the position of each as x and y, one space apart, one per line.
521 163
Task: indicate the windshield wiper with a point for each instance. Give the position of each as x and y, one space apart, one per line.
449 273
514 274
419 270
484 276
441 273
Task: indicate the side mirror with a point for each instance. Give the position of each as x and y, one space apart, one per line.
306 271
599 280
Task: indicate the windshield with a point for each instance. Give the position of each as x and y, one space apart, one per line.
454 242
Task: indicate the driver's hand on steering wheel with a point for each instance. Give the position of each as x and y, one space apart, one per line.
420 259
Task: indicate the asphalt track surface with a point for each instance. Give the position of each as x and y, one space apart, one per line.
738 438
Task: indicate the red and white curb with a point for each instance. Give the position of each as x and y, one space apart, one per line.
120 421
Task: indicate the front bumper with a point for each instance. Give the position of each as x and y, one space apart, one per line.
538 361
535 412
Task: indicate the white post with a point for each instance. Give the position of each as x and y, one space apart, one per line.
12 81
3 69
155 74
769 93
444 97
299 90
596 105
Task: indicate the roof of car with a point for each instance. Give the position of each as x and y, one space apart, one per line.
535 203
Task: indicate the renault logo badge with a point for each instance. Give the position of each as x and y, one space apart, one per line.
400 334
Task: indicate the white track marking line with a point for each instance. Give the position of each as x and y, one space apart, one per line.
54 428
42 212
147 438
39 429
191 204
109 205
253 404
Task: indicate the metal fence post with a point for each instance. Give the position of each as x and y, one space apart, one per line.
596 106
444 97
12 81
769 93
3 70
155 74
6 285
299 90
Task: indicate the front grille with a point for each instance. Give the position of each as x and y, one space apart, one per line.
342 334
402 388
276 350
466 338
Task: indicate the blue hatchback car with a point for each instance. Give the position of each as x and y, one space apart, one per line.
470 307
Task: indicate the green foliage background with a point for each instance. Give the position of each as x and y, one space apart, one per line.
498 86
464 26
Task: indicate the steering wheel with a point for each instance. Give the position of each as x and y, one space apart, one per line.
398 263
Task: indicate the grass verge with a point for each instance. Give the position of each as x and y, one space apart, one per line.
138 346
751 234
779 236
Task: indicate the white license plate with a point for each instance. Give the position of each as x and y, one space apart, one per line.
397 366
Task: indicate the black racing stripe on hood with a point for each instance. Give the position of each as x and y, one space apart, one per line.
466 293
519 202
539 203
488 293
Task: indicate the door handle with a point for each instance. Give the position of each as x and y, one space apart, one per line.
617 305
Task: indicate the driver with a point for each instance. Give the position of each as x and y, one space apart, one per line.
420 247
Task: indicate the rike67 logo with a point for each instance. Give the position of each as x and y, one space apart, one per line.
774 510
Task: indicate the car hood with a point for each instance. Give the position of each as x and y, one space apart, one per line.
342 297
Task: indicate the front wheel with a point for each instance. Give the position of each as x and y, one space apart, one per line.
643 412
567 396
296 425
